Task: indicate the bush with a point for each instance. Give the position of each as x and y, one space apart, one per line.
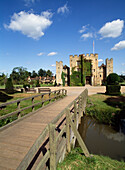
26 86
79 84
113 89
9 86
55 84
113 79
37 83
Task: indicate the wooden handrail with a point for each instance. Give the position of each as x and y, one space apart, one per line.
26 98
78 105
57 93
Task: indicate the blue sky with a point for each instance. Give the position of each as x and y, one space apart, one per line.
37 33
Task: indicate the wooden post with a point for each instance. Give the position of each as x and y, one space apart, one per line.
33 103
52 145
75 114
81 143
42 100
68 148
49 97
18 107
55 95
65 92
79 108
62 91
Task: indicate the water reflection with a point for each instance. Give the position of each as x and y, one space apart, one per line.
102 139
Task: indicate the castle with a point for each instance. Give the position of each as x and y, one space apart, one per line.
83 70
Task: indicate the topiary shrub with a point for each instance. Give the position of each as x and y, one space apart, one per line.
113 87
9 86
55 84
113 79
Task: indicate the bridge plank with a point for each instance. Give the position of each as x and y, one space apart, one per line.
25 132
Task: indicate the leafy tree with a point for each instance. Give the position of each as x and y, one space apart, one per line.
42 72
34 74
37 83
49 73
2 79
9 86
19 75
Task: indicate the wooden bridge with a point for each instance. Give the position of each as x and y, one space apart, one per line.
41 139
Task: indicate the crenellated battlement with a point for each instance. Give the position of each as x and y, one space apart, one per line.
87 55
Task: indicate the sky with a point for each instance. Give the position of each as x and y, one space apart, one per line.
37 33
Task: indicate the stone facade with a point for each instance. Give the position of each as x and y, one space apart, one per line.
98 74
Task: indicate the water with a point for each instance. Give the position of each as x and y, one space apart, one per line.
102 139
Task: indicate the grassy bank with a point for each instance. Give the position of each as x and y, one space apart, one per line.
76 160
106 109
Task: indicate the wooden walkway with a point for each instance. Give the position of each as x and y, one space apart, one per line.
16 140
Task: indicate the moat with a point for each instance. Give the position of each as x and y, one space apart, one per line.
102 139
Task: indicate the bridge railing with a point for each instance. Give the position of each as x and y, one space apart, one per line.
57 138
18 110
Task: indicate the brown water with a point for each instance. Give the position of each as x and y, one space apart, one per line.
102 139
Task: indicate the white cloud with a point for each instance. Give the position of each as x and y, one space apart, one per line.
30 24
53 65
123 64
87 35
63 9
100 60
52 53
83 28
123 72
112 29
29 2
119 46
39 54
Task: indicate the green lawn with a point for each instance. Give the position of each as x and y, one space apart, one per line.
76 160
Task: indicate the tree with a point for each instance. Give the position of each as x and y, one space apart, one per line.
42 72
34 74
9 86
49 73
2 79
19 75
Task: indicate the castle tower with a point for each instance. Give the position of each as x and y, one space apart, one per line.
59 69
74 62
109 66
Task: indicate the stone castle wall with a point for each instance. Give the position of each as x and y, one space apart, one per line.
98 73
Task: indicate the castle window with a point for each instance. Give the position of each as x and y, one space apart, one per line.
78 69
100 75
94 70
78 63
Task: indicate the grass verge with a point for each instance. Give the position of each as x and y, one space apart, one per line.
76 160
106 109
